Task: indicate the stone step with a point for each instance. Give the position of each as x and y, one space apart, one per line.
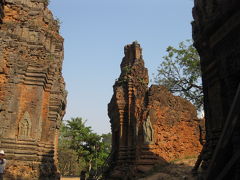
148 153
148 157
146 162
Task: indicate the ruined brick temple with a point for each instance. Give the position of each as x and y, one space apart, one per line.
216 32
149 125
32 89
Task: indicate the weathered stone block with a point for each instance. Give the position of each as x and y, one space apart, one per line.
216 36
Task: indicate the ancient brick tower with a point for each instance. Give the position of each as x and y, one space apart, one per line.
216 32
149 125
32 92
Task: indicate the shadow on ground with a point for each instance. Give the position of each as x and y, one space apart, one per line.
175 170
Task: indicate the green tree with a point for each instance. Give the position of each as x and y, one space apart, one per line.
107 140
180 72
89 148
68 164
67 158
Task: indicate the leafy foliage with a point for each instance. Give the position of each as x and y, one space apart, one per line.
180 73
89 149
107 140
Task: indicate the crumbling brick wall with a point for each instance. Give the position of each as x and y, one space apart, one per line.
149 125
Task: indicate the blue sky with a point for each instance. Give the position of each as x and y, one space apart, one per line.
95 32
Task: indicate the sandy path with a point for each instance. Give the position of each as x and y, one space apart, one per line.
70 178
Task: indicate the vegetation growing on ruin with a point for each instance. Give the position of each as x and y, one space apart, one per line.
47 2
180 72
126 70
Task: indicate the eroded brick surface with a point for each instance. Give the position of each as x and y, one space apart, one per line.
32 89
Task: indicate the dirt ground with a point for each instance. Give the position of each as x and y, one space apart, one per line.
177 170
